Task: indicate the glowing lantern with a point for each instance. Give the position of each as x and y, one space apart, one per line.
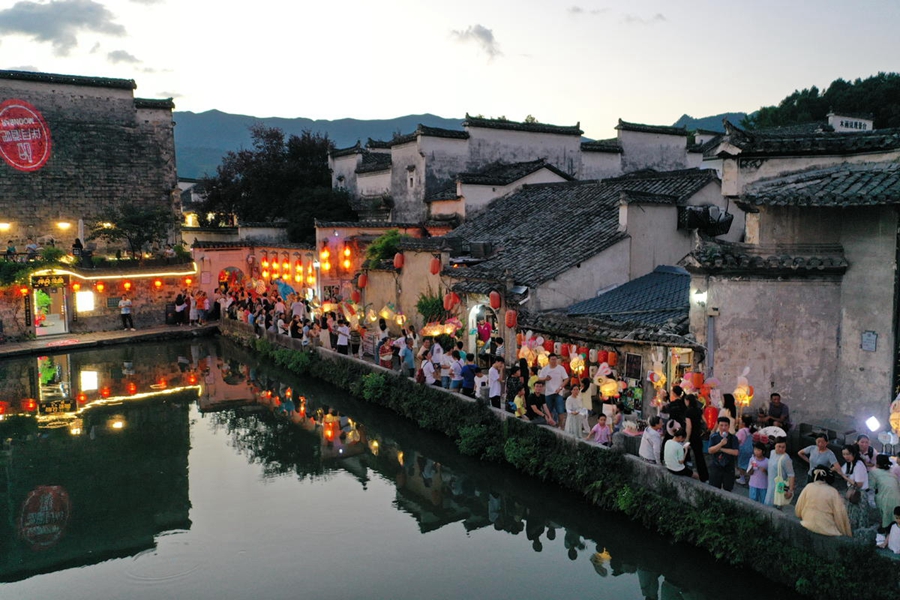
105 392
29 404
82 398
347 264
577 364
101 286
363 281
612 359
286 265
157 284
192 379
495 300
132 388
355 296
265 262
512 319
298 266
325 254
188 281
398 261
275 266
162 383
126 285
265 274
4 408
326 266
710 416
435 266
76 286
743 393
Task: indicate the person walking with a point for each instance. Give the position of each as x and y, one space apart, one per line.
125 311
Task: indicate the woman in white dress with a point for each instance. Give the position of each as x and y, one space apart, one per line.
576 422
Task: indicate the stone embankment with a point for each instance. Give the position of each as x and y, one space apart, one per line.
730 527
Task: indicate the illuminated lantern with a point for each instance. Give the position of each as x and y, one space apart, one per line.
192 379
265 261
105 392
132 388
82 398
101 286
275 265
76 286
326 266
157 284
495 300
602 356
512 319
355 296
710 416
298 266
188 281
398 261
435 266
298 278
23 290
29 404
325 254
363 281
4 408
162 383
583 351
286 265
612 359
126 285
743 393
265 274
347 264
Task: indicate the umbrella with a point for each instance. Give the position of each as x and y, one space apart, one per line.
773 431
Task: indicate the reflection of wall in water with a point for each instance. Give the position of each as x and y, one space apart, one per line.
124 486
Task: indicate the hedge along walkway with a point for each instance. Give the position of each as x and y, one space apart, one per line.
729 527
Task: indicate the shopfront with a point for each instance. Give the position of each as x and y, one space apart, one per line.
50 304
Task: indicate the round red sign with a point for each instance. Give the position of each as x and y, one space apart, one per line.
24 136
44 516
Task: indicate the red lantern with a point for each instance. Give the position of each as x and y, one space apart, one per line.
612 359
23 290
29 404
82 398
697 380
495 300
157 284
711 415
105 392
398 261
363 281
602 357
76 286
548 345
132 388
454 299
4 408
512 319
101 286
355 296
448 302
564 350
126 285
583 351
435 265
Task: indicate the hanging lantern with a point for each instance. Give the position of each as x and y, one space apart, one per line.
495 300
448 302
101 286
126 285
512 319
435 267
325 254
286 265
298 265
76 286
355 296
326 266
188 281
602 356
157 284
454 299
697 380
275 266
398 261
710 416
612 358
265 274
564 350
363 281
583 351
548 345
592 355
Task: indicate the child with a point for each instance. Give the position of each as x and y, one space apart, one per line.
519 402
759 473
892 535
600 432
745 448
481 383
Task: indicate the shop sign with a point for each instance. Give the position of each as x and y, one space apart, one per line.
50 281
56 407
24 136
44 516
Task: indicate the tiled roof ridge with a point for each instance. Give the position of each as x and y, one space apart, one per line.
561 184
499 172
154 103
777 260
370 143
522 126
839 185
355 149
644 128
424 130
610 146
106 82
754 143
652 174
373 162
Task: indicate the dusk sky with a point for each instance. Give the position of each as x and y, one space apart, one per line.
584 60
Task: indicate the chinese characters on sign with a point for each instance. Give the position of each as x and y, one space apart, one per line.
50 281
24 136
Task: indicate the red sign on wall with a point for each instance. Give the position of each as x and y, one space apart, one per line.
44 516
24 136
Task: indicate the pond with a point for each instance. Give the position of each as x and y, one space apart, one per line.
168 471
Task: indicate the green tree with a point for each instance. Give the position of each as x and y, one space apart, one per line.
382 248
278 179
133 224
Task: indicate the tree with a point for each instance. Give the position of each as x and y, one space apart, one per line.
276 179
134 224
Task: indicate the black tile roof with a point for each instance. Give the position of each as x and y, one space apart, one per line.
366 224
500 173
609 146
105 82
753 144
373 162
844 185
520 126
251 245
660 129
558 324
655 298
543 230
346 151
785 261
431 244
796 129
424 130
377 144
445 190
161 104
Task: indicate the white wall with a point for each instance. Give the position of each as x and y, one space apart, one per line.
478 197
652 151
408 198
488 145
605 269
374 183
600 165
344 166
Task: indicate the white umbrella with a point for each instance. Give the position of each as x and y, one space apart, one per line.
773 431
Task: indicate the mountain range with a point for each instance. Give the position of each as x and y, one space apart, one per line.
201 139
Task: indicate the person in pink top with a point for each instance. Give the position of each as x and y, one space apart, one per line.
600 433
758 470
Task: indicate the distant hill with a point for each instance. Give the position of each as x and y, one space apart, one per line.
713 123
201 139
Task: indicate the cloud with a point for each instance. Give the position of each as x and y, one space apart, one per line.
120 56
59 22
30 68
481 36
147 1
578 10
636 20
172 95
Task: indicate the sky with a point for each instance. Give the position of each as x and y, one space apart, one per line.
586 61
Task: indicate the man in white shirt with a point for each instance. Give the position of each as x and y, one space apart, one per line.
495 382
651 442
437 352
343 340
554 377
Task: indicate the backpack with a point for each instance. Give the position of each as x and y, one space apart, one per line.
420 376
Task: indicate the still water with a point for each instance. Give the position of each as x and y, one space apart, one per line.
166 471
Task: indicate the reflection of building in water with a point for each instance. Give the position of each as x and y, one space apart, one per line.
71 499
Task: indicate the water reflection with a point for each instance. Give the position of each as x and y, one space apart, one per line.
111 491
